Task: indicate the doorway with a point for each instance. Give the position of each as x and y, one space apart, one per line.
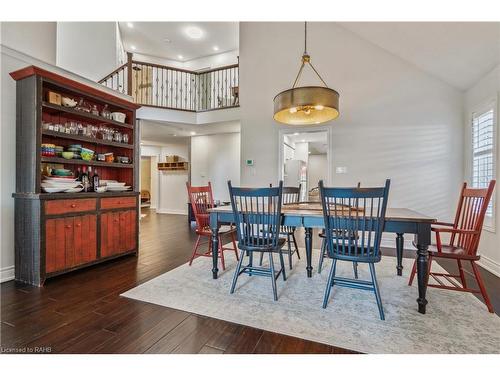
305 159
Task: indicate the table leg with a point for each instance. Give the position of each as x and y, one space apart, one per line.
399 252
423 241
214 226
308 241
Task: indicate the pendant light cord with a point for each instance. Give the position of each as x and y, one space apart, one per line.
308 61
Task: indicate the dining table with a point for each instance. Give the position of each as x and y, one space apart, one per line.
309 215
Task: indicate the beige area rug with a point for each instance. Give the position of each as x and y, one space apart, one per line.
455 322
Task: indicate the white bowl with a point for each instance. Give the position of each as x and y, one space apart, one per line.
118 116
101 189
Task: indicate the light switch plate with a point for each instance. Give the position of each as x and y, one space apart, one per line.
341 170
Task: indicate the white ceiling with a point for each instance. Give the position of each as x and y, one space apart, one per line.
150 38
459 53
167 132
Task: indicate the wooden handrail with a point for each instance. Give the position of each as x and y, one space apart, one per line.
112 73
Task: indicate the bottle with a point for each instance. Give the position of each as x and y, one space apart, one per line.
85 179
78 175
95 180
89 177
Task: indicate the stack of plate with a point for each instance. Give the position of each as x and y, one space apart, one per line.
113 185
61 184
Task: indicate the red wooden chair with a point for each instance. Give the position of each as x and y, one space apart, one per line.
202 200
465 233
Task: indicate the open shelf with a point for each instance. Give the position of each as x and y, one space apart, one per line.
52 108
86 139
175 166
55 160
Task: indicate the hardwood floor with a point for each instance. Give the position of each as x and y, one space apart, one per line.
82 312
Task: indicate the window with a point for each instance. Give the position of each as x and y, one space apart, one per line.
484 152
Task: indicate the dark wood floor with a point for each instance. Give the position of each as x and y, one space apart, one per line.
82 312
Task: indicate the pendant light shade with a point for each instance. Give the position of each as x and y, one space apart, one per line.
306 105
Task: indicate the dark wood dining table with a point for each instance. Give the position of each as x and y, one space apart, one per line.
309 215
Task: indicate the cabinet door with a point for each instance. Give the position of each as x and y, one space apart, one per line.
118 232
69 242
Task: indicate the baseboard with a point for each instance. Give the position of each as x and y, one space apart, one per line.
490 265
172 212
6 274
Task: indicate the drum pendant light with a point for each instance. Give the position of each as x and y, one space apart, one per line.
306 105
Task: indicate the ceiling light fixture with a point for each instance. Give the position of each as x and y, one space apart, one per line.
194 32
192 133
215 48
306 105
130 25
180 57
133 48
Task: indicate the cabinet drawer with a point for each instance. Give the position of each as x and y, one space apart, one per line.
57 207
118 202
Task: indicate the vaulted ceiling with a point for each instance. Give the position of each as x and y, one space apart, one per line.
459 53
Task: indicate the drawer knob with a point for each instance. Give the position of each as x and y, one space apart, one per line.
78 225
73 205
68 226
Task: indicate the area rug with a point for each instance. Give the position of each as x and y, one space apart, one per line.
455 322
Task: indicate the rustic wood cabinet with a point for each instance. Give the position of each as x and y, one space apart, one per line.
60 232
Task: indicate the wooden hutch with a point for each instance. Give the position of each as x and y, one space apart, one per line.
59 232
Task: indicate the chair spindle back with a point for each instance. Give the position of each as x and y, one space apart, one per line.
354 210
257 213
471 210
201 200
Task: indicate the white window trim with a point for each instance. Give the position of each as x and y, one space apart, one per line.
489 223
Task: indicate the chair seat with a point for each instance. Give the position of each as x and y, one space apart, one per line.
259 245
360 255
454 252
223 229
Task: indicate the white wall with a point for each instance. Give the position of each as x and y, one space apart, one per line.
301 151
396 121
484 90
316 170
216 158
89 49
36 39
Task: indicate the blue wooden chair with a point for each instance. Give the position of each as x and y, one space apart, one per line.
323 253
360 210
290 195
257 214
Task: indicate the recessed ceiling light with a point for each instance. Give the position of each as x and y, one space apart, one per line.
175 135
130 25
133 48
303 140
192 133
194 32
215 48
295 133
180 57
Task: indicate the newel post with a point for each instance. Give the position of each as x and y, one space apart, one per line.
129 73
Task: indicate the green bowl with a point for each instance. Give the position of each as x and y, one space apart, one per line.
61 172
87 156
68 155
